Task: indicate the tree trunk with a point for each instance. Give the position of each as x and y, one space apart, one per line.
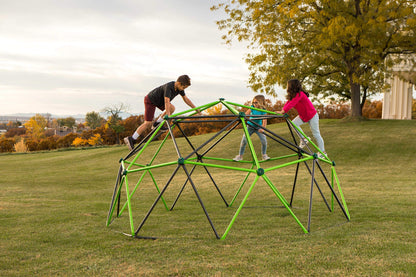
356 110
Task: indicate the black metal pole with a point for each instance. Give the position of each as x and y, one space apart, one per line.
115 193
316 183
199 157
294 185
183 187
310 198
333 192
215 184
221 138
200 201
157 200
209 140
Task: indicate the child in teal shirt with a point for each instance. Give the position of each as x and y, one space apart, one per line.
259 103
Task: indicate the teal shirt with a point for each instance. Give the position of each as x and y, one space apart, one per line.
258 121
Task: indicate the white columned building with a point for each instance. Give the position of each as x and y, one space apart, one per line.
397 101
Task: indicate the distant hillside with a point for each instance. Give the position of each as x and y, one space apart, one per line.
23 117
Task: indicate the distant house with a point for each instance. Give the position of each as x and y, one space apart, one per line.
64 130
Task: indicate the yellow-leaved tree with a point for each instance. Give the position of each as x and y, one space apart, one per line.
337 48
36 126
95 140
214 110
79 142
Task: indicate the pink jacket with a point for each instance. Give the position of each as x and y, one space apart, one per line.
303 105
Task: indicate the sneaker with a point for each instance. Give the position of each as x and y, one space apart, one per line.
304 142
321 156
238 158
265 157
164 128
129 141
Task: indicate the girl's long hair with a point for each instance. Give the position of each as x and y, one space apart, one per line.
261 100
293 88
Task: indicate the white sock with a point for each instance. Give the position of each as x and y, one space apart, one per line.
135 136
159 120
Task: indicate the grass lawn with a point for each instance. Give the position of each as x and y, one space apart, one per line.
54 206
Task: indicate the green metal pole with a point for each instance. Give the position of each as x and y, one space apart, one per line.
129 206
115 202
221 166
285 203
146 144
289 163
239 208
275 190
250 143
158 150
309 140
152 166
253 108
158 190
332 185
340 192
241 186
134 190
229 107
201 108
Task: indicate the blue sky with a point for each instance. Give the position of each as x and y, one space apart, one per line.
75 56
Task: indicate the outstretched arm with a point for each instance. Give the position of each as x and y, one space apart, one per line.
189 102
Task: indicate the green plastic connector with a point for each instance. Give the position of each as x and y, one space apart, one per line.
333 163
286 115
222 99
260 171
181 161
121 159
242 114
125 172
166 117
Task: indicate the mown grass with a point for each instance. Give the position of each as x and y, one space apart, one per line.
54 205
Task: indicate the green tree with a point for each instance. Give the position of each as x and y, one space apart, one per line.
93 120
68 122
338 49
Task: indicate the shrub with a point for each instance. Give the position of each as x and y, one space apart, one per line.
95 140
21 147
79 142
130 125
334 110
7 145
48 143
32 145
373 109
66 141
15 132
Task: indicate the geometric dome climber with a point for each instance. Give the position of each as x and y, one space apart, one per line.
191 165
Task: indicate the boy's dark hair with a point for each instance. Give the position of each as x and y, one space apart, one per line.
294 87
184 80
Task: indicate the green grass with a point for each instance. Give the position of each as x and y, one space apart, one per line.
54 205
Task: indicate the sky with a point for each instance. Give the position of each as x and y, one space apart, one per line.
76 56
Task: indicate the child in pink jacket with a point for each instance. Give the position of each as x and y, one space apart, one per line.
299 100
